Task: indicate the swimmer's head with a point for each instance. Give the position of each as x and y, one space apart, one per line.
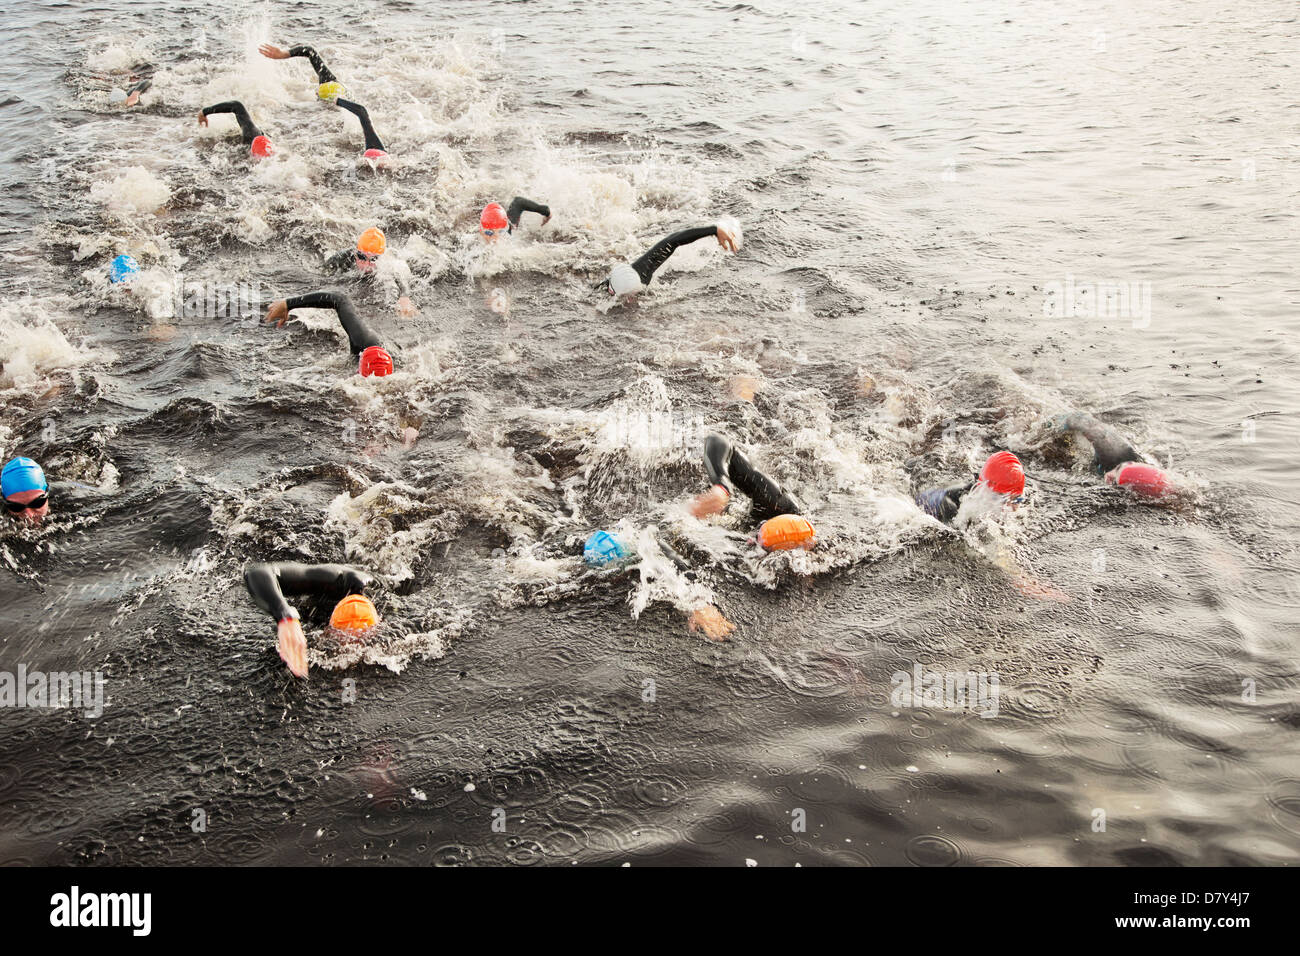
261 147
786 532
1004 475
492 221
375 361
1144 480
355 613
377 158
330 92
370 246
602 548
623 280
123 269
25 490
117 97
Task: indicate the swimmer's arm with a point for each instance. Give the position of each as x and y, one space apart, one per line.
341 261
247 127
658 254
322 71
519 205
360 337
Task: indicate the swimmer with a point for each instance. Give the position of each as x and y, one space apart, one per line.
25 491
363 261
1114 458
323 584
258 145
373 358
729 471
374 150
626 280
329 88
125 86
495 221
1002 474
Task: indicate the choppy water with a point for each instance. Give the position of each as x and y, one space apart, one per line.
912 183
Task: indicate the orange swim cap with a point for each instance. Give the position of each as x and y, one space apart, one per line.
785 532
354 613
1004 474
372 242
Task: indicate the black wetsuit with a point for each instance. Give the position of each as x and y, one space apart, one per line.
326 584
728 466
1110 449
519 205
247 128
323 74
360 335
943 503
372 138
645 266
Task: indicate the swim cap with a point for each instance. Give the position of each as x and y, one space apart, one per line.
330 91
116 95
1145 480
623 280
375 361
22 474
493 217
372 242
123 269
1004 474
785 532
261 147
603 548
355 612
375 154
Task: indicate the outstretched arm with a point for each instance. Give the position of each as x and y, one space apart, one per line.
519 205
658 254
247 128
269 583
360 336
323 74
1109 447
356 109
729 470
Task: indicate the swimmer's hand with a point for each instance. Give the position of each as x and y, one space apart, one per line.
710 621
132 99
405 307
278 313
712 502
273 52
293 646
203 118
726 240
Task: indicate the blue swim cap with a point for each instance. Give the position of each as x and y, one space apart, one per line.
22 474
603 548
123 269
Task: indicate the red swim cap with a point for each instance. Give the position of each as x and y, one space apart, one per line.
261 147
375 361
493 217
1004 474
1145 480
374 154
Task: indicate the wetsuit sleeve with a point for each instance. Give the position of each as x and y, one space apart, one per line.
356 109
1110 450
645 266
360 336
269 583
942 503
341 261
323 73
247 128
727 466
519 205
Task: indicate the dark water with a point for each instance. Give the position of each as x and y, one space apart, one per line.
912 184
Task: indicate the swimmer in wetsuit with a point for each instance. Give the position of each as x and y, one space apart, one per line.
323 75
363 262
373 358
323 584
730 471
258 145
1002 474
495 221
625 279
1115 458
